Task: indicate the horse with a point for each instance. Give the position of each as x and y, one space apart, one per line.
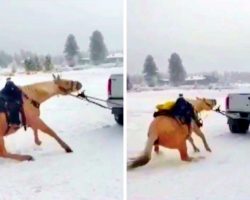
169 132
33 96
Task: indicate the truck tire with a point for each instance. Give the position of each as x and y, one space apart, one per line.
238 125
119 119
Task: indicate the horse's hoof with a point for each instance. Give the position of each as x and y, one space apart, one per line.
68 150
29 158
38 143
196 150
157 152
188 159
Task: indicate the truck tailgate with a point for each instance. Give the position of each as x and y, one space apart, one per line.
116 86
239 102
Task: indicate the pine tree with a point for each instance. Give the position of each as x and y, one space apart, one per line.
150 71
47 63
37 63
71 50
28 64
149 67
5 59
97 47
177 73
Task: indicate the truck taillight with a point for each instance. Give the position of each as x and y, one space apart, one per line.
109 87
227 103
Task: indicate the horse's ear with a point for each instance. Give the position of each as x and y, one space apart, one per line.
58 77
54 77
197 98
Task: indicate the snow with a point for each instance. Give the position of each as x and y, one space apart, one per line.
90 131
222 174
195 77
115 55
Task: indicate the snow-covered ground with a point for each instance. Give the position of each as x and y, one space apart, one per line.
92 172
222 174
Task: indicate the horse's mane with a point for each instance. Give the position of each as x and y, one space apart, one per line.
38 85
192 101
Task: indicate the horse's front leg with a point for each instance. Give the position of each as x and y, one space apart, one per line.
37 123
198 132
5 154
36 138
196 149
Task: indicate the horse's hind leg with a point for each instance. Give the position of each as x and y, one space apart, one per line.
39 124
156 147
198 132
196 149
183 152
5 154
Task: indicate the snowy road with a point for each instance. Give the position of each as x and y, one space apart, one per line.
86 174
222 174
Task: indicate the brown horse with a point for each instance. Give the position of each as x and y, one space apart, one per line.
169 132
33 96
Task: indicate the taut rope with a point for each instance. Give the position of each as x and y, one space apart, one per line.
82 96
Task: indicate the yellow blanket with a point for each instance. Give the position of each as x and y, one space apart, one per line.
165 106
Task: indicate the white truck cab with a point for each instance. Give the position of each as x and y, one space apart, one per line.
115 96
238 112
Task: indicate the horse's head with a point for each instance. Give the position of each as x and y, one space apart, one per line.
206 104
66 86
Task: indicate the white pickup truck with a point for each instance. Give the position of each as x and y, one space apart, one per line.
115 96
238 112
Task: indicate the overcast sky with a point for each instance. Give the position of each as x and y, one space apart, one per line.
208 35
42 26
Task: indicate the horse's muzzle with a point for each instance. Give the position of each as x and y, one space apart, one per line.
78 85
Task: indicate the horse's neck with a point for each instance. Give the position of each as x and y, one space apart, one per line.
40 92
198 108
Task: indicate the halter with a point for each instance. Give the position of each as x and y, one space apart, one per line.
208 104
66 91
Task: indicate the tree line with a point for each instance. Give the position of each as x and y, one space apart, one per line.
176 70
97 49
97 54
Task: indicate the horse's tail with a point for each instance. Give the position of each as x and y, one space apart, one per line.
145 157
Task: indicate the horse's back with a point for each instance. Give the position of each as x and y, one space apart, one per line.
163 123
170 132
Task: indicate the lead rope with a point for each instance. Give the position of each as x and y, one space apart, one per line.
82 96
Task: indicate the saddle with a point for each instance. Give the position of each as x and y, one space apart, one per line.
11 104
181 110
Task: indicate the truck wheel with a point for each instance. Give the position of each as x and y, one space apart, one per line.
238 125
243 125
119 119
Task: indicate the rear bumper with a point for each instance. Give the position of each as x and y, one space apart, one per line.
238 115
116 105
115 102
